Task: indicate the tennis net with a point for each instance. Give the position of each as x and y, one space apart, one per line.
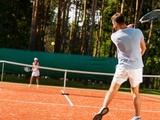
24 70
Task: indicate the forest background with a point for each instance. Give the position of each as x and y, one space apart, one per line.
77 27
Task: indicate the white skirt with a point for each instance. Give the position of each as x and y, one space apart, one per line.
35 73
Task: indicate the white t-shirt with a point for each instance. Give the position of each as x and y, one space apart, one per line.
127 42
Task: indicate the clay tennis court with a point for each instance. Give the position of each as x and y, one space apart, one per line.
20 102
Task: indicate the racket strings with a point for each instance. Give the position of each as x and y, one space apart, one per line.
150 16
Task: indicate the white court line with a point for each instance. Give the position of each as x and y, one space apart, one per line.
29 102
141 95
147 97
122 109
148 111
67 98
79 106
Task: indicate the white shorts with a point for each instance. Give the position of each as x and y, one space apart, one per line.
134 76
35 73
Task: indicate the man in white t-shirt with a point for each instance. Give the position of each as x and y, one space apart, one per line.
130 48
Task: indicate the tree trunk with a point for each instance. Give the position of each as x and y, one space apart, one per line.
38 25
73 48
46 12
148 45
64 22
83 33
66 25
149 38
130 13
140 9
32 43
58 35
112 51
75 39
136 12
122 6
90 42
66 6
99 43
117 9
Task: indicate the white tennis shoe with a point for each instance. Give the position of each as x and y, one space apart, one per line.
136 118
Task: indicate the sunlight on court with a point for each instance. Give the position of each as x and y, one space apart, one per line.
18 101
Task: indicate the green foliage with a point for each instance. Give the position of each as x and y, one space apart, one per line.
109 10
15 19
153 61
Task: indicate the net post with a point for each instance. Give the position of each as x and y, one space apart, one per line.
64 85
2 73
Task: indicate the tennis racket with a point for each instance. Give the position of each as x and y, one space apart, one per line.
152 15
27 69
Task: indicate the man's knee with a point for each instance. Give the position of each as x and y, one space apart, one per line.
135 90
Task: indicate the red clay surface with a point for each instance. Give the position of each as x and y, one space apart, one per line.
20 102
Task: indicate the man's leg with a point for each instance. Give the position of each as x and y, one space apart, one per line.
108 98
120 77
111 93
136 99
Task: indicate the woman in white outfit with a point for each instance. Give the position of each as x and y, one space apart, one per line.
35 72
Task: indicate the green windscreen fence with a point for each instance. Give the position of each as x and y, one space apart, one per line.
60 61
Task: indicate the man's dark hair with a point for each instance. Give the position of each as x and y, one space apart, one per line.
118 18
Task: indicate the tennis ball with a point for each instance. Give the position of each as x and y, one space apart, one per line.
52 43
